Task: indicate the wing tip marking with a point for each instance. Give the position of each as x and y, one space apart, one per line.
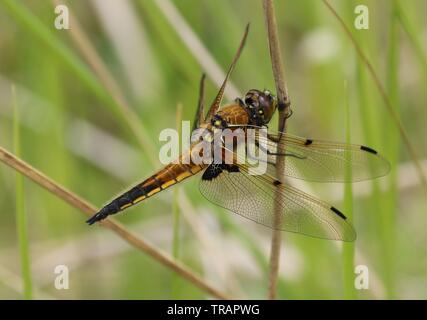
308 142
367 149
339 213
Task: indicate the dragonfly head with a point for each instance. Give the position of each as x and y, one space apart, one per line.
261 106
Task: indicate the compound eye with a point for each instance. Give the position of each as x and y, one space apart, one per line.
249 101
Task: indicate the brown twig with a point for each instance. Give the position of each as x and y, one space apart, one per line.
382 91
284 112
87 208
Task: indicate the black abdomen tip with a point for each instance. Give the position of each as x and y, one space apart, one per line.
103 213
97 217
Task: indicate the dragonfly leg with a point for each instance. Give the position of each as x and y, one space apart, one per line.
272 138
289 114
268 152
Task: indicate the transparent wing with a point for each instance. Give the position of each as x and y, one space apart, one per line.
323 161
217 101
256 197
200 113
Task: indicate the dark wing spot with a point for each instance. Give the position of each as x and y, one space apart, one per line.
339 213
231 168
277 183
367 149
213 171
308 142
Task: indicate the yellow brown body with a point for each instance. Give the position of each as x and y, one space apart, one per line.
233 114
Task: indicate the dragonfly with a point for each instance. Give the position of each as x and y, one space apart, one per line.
261 197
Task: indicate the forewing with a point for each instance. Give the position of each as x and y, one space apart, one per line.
323 161
217 101
200 113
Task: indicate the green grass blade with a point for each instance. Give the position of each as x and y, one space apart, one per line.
22 15
34 26
21 215
372 136
348 249
377 132
392 148
176 281
413 35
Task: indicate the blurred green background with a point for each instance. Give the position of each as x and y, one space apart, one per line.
72 129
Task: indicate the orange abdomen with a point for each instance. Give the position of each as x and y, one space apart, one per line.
163 179
170 174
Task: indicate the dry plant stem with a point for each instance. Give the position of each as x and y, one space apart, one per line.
284 111
383 94
87 208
